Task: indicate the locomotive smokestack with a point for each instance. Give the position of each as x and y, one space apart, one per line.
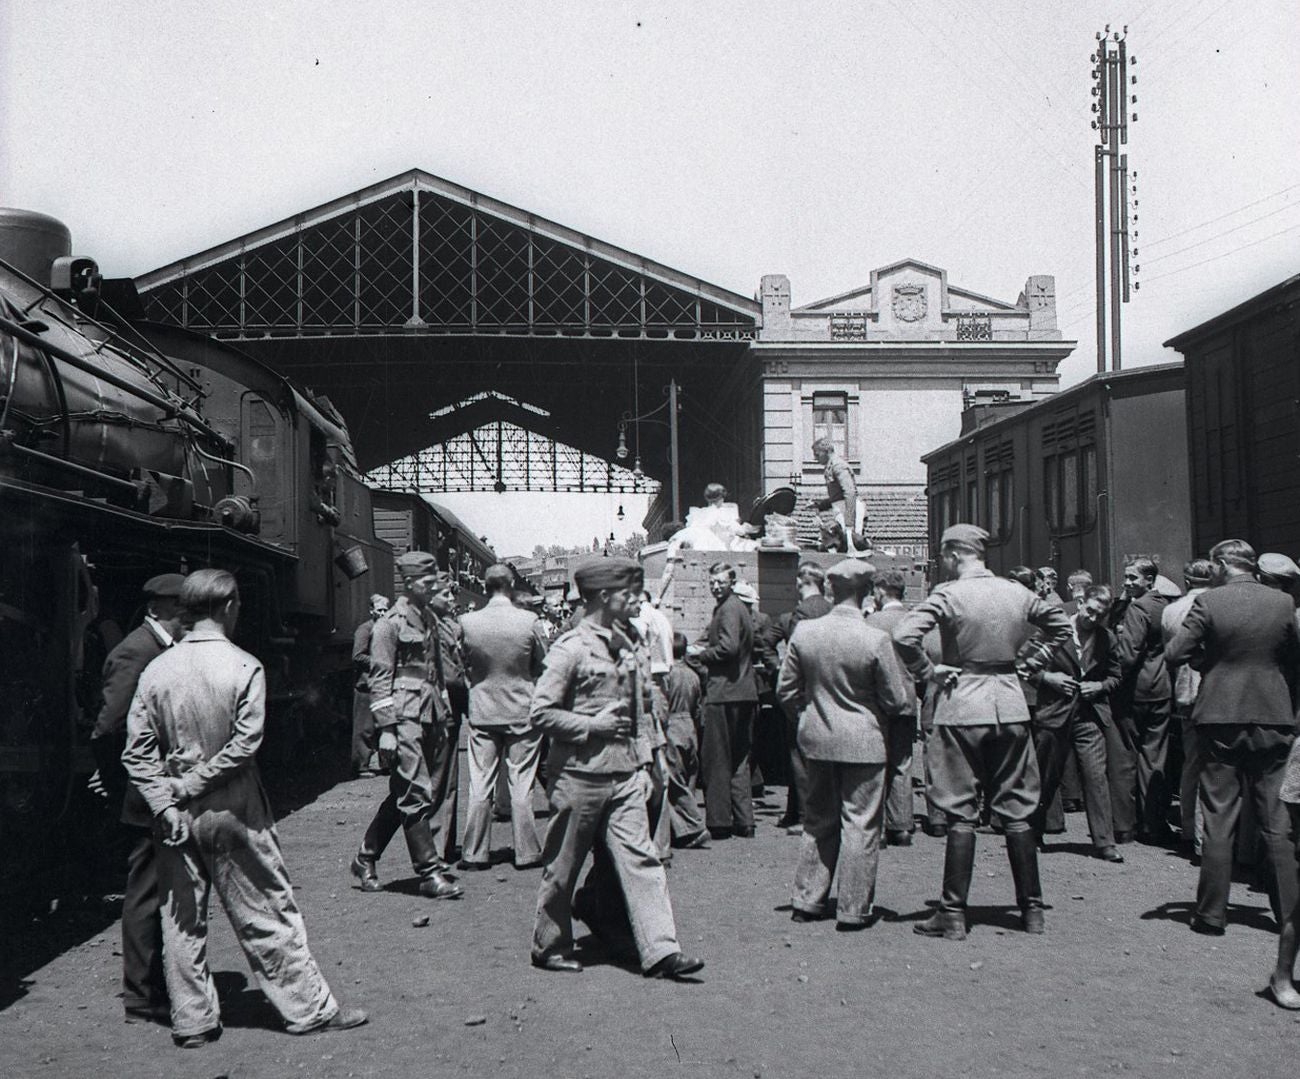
32 242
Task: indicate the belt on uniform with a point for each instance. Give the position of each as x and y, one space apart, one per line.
411 672
988 668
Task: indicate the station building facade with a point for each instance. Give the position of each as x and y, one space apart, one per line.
885 372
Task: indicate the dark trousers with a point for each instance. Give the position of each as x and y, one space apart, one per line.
797 791
409 803
1052 746
728 731
143 984
444 779
1121 773
1228 766
900 738
1145 729
364 738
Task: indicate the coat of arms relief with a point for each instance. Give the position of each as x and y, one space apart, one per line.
909 303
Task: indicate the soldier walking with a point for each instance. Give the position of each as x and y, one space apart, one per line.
981 739
588 700
409 703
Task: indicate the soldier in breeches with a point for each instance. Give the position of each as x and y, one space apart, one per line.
409 703
982 738
588 701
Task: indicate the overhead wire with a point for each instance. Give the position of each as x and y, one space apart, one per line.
1225 232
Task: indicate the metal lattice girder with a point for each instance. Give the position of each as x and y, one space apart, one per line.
505 456
420 254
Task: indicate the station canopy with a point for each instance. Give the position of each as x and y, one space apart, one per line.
414 295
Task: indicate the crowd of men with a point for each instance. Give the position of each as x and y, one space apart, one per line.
1152 693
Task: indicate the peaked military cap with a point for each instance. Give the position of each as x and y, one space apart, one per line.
165 584
971 536
852 571
417 564
598 573
1278 565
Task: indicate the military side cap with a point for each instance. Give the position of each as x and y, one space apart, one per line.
598 573
744 591
165 584
852 571
1278 565
417 564
971 536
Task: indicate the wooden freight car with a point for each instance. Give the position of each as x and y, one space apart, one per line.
1243 422
1081 479
410 522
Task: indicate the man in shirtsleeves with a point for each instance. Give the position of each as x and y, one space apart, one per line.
982 738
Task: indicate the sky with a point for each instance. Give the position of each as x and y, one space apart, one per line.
726 140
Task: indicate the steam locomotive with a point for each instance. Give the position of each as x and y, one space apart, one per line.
128 450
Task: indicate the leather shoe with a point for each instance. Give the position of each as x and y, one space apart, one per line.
364 870
436 886
473 867
536 863
675 966
1284 996
720 833
948 924
935 831
798 915
743 833
197 1041
1110 854
1200 925
1123 837
898 839
1031 920
343 1019
559 964
149 1013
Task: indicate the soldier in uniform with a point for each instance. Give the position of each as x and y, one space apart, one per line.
409 703
981 739
588 700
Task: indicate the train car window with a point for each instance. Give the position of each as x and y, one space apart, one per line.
1088 474
1069 491
830 417
994 500
1052 493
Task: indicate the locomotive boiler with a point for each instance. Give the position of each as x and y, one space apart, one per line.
128 450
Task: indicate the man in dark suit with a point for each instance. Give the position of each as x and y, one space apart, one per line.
144 990
1074 691
811 579
1244 636
730 699
1138 741
503 657
900 735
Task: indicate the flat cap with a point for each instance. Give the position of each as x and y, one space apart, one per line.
851 571
417 564
745 592
1278 565
165 584
971 536
597 573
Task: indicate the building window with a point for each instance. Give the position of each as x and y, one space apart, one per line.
830 419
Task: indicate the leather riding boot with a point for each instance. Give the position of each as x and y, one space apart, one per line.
427 865
363 868
1022 852
949 921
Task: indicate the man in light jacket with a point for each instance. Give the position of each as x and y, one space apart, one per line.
841 676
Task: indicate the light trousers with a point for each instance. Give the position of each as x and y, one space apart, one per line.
841 825
488 747
612 807
242 861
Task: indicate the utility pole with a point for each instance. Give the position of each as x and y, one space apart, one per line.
672 448
1111 89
